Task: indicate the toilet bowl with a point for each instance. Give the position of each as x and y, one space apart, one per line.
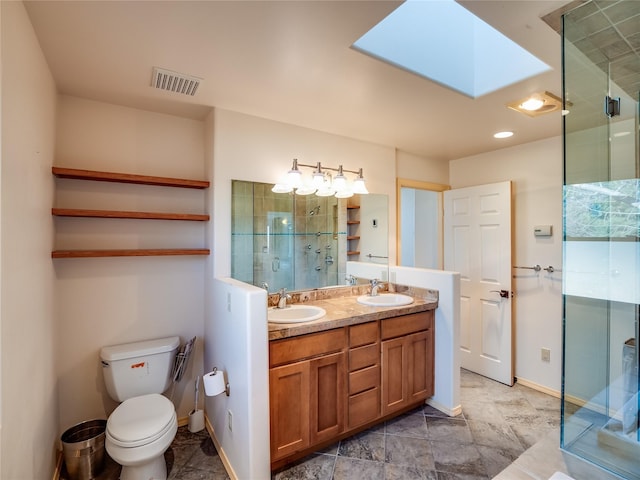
138 433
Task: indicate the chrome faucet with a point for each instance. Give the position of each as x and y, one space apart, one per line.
374 287
283 296
265 285
351 280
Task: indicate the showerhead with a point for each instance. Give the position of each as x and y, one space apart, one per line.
314 211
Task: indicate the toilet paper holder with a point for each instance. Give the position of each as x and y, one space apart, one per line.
215 384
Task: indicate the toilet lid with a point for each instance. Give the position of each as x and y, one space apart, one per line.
141 420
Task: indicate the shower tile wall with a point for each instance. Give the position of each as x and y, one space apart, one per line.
316 241
242 228
273 229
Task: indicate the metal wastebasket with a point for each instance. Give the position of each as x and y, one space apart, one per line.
83 448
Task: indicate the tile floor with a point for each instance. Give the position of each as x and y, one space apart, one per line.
497 424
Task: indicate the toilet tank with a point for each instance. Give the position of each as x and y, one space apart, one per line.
138 368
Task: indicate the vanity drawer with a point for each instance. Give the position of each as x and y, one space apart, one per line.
301 347
364 407
364 357
364 379
363 334
407 324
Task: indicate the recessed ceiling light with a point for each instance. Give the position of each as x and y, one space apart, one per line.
503 134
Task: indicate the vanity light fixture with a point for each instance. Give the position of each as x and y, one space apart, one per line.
321 183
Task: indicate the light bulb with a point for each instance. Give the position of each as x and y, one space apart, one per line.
305 189
339 181
318 177
281 188
326 190
345 193
531 104
359 186
294 176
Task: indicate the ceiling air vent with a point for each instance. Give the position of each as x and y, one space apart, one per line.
174 82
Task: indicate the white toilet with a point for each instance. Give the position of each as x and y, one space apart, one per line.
143 426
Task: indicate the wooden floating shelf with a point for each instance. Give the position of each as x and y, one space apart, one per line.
353 222
355 252
77 212
352 207
97 176
128 253
353 237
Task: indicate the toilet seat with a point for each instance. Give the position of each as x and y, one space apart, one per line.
141 420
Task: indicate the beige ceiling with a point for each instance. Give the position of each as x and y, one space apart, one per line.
291 61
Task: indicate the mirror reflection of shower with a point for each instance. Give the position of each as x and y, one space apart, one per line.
286 241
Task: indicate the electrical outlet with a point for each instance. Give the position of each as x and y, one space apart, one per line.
545 354
230 420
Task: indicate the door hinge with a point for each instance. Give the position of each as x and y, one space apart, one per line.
611 106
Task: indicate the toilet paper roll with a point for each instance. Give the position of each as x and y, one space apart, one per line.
214 383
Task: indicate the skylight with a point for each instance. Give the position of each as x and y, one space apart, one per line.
444 42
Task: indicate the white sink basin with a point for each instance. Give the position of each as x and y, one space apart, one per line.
385 300
295 314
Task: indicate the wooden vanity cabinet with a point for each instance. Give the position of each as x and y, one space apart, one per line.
325 385
306 390
407 361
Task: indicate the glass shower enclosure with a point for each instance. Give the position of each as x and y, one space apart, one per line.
601 267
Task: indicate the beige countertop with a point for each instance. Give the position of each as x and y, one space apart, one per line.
345 310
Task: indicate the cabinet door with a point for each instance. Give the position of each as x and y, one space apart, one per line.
420 366
394 375
327 396
407 370
289 409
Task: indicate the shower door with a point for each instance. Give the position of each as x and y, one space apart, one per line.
601 270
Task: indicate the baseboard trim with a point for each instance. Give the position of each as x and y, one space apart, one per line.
579 402
183 421
452 412
221 453
538 387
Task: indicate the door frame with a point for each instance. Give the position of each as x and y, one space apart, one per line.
419 185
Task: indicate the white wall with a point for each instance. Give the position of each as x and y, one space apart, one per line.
237 343
413 167
536 172
29 416
105 301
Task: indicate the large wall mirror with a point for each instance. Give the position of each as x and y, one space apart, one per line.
420 224
300 242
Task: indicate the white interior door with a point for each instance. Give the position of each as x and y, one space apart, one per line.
477 243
